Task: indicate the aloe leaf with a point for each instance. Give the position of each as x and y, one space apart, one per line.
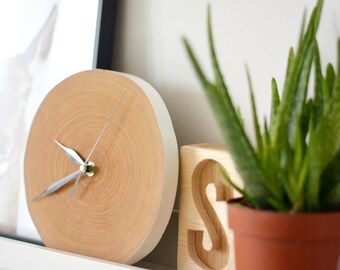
321 154
302 178
274 156
332 202
338 57
336 89
297 174
318 91
317 13
290 63
274 126
303 139
200 74
234 134
266 158
238 144
254 113
275 103
330 79
285 157
239 115
232 184
217 71
294 92
235 138
295 187
278 205
330 185
322 87
288 128
298 206
273 169
305 119
298 98
302 28
288 185
266 139
299 147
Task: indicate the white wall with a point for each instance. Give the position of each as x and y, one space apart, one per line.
257 32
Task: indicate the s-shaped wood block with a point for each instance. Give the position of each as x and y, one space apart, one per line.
205 241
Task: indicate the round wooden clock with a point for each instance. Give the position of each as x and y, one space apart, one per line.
101 166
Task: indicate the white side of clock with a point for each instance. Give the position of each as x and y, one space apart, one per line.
170 169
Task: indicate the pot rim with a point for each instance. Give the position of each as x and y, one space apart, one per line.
235 202
283 225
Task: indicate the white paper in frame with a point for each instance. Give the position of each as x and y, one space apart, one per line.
43 42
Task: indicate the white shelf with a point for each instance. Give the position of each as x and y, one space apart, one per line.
17 255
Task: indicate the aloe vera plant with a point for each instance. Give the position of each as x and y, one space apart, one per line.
295 165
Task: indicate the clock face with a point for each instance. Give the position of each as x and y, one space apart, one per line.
121 211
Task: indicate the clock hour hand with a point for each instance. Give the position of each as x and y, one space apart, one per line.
58 184
71 154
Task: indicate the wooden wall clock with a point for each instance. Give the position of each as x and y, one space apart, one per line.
101 166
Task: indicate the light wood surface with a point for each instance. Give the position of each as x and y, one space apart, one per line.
120 213
205 241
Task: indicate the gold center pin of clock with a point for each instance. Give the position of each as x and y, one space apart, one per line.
87 169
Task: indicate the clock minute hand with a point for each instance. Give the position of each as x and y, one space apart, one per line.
57 185
71 154
98 139
105 127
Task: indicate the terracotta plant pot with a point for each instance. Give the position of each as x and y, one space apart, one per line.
267 240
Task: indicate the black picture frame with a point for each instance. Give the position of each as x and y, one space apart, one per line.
106 30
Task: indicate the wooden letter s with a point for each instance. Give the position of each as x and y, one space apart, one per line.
206 173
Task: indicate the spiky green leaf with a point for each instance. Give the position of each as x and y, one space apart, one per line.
229 182
254 113
330 79
330 185
294 92
275 103
319 97
323 147
302 28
